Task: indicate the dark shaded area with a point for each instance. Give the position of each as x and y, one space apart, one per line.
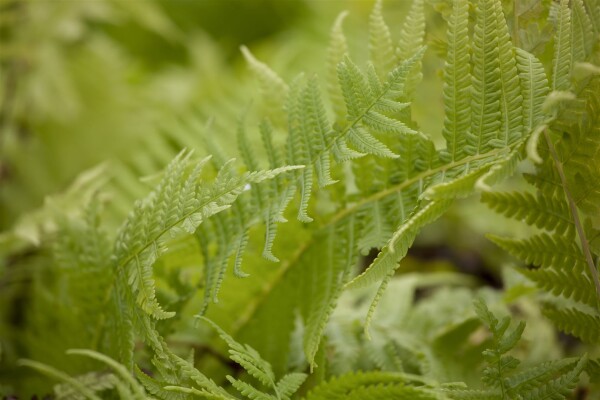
465 261
230 23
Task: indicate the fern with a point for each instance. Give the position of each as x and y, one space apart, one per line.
360 175
499 375
565 269
370 385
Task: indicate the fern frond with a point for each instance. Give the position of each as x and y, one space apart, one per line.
582 32
157 388
339 387
542 250
593 8
412 37
486 80
538 375
61 376
550 380
289 384
137 391
273 87
510 96
337 247
534 87
95 381
319 131
381 50
547 213
248 390
560 387
338 49
580 323
457 83
179 203
561 69
387 261
247 358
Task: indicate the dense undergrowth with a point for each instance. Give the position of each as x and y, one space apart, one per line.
415 218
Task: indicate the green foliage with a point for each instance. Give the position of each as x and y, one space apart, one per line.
301 248
554 380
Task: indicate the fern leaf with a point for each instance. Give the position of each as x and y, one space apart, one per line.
583 324
324 286
457 83
273 87
95 381
289 384
582 32
376 229
560 387
542 250
485 118
539 375
534 87
179 203
61 376
248 390
246 357
510 96
157 388
386 263
412 37
187 370
502 169
547 213
593 8
137 391
278 190
381 49
461 186
338 48
339 387
319 131
562 48
364 142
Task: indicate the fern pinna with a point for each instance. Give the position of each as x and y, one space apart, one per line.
378 180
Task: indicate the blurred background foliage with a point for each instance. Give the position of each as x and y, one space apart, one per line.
87 81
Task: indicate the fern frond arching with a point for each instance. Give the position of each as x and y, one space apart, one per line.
179 203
